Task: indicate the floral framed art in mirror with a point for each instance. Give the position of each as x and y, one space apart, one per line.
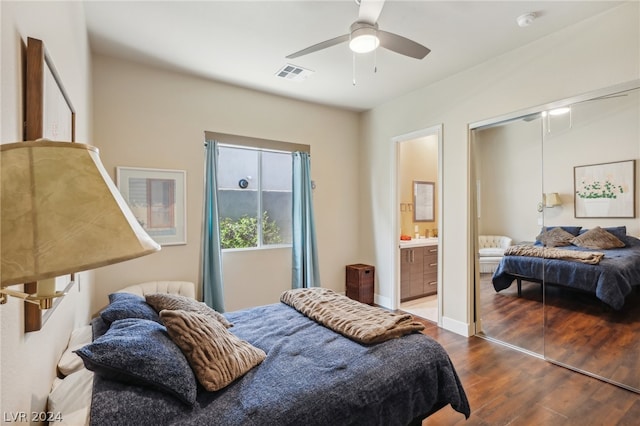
605 190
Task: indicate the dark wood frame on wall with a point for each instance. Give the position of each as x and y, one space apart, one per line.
424 201
38 66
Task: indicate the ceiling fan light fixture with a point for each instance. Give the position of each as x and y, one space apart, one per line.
560 111
364 40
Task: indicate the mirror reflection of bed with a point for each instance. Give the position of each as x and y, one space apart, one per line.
517 159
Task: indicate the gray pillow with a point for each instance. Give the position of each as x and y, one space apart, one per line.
555 237
620 232
140 352
128 305
597 239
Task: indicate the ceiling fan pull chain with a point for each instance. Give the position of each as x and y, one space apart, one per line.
354 68
375 61
570 117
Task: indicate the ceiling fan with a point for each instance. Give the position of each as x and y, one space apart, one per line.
364 35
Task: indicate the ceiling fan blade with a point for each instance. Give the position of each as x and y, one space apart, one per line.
320 46
402 45
369 11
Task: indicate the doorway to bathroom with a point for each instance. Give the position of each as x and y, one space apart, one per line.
418 206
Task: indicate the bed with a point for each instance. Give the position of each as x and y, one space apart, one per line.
609 273
309 375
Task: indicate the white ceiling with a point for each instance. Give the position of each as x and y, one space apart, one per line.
245 42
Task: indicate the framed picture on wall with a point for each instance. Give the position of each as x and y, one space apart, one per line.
605 190
423 201
157 199
49 114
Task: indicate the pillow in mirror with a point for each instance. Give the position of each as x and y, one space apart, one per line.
555 237
597 239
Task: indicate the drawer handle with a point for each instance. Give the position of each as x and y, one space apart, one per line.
433 283
433 250
433 264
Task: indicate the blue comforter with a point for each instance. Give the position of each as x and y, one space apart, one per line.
311 376
611 280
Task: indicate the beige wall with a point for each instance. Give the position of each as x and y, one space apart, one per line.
510 174
28 361
558 66
145 117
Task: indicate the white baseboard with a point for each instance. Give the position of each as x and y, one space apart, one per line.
458 327
382 301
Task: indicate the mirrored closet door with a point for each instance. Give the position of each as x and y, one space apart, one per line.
507 159
591 152
561 183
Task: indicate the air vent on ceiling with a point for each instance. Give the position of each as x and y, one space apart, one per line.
294 72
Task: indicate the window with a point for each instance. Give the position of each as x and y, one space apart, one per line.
254 195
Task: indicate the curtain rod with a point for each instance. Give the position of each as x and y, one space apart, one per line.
256 142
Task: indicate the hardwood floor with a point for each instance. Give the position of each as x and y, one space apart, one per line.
579 329
508 387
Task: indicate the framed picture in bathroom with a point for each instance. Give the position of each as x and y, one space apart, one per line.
423 201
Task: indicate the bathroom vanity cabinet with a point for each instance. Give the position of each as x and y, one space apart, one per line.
418 269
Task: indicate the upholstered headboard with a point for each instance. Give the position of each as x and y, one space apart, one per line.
183 288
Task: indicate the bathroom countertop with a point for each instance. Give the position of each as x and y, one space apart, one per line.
419 242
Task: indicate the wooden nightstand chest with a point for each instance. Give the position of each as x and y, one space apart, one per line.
360 282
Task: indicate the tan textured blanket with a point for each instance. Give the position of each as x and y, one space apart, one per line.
590 257
357 321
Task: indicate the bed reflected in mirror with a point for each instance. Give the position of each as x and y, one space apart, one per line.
561 291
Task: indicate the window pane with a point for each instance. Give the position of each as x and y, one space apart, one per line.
238 206
276 198
254 184
276 171
235 164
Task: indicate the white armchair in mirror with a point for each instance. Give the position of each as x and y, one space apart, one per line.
491 250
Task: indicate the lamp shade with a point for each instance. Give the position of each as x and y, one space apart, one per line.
62 213
552 199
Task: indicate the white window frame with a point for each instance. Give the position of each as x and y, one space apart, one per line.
261 145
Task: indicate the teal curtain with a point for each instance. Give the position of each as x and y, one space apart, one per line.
305 258
211 251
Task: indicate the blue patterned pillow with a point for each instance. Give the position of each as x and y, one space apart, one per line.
128 305
140 352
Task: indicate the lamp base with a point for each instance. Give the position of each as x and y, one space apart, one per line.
43 302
